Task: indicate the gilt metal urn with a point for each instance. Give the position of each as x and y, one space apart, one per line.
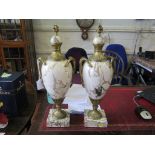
57 74
96 73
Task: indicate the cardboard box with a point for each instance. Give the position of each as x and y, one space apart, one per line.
13 94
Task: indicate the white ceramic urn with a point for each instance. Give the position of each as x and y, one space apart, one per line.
97 73
57 74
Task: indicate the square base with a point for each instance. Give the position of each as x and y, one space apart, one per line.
88 122
54 122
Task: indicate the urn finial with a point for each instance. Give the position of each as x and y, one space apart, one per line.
99 29
56 44
98 40
56 29
98 43
56 40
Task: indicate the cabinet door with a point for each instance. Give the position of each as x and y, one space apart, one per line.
14 59
17 50
11 29
1 59
30 49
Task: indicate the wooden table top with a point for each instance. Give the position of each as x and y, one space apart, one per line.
119 107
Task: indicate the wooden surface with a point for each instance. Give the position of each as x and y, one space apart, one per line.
119 108
27 44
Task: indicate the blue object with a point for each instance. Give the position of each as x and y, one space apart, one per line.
121 63
119 49
13 93
49 99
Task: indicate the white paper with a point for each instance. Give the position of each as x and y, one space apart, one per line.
77 99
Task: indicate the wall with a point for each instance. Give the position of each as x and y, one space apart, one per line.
123 31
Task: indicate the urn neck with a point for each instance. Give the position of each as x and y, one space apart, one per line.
57 47
56 44
98 56
98 47
56 54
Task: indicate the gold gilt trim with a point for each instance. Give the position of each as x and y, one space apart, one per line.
98 53
56 55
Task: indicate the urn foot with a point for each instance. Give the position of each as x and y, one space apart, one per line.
94 114
89 122
52 121
59 114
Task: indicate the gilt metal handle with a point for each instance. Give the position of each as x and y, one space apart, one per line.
73 63
1 104
82 61
42 61
111 60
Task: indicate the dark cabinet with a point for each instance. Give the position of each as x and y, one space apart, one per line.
17 50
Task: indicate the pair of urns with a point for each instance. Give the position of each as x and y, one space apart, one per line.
96 73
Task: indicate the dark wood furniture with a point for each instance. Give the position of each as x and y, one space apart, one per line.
120 110
17 51
147 64
20 124
144 69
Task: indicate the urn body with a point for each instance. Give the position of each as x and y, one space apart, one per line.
57 77
97 78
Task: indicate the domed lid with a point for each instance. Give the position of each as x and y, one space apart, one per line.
98 43
99 40
56 43
55 39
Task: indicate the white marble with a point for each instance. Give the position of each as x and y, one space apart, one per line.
101 123
97 78
56 78
98 40
54 122
55 39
